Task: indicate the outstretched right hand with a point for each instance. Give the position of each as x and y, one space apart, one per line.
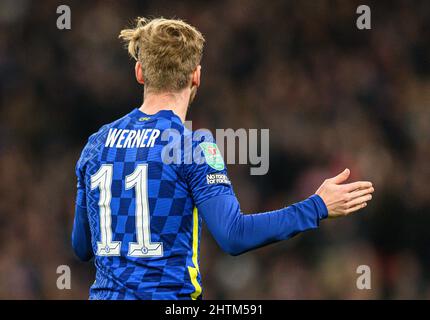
343 199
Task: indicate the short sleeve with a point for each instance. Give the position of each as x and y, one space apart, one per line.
206 175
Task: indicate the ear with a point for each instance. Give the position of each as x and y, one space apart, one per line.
138 72
195 80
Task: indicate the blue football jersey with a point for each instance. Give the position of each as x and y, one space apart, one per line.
140 179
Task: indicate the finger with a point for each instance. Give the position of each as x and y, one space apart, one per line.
355 208
357 185
358 201
341 177
359 193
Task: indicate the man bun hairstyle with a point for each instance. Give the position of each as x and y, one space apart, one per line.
168 50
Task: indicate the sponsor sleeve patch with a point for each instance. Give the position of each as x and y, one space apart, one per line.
216 178
212 155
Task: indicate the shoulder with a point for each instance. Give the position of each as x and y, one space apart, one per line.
96 140
202 150
202 139
103 130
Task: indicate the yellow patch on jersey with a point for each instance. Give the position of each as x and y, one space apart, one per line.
194 271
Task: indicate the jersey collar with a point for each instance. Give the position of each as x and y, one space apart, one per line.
166 114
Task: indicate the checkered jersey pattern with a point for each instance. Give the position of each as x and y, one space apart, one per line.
174 190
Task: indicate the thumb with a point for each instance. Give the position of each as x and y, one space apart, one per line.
341 177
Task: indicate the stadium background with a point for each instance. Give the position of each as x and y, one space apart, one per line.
332 96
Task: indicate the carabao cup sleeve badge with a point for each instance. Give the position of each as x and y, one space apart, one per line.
212 155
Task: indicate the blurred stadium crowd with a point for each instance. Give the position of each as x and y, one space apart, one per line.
332 96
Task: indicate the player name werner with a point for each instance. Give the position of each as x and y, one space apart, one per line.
124 138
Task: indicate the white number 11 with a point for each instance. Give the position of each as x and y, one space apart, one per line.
102 179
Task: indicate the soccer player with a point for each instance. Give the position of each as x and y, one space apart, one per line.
140 215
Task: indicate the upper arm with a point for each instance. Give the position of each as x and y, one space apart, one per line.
206 176
212 192
222 216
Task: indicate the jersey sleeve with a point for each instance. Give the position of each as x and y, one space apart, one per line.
204 169
234 231
81 234
237 233
80 186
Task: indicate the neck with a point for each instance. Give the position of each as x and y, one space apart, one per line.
177 102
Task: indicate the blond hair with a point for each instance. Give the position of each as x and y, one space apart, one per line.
168 51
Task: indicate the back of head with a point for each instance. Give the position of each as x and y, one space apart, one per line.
168 51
